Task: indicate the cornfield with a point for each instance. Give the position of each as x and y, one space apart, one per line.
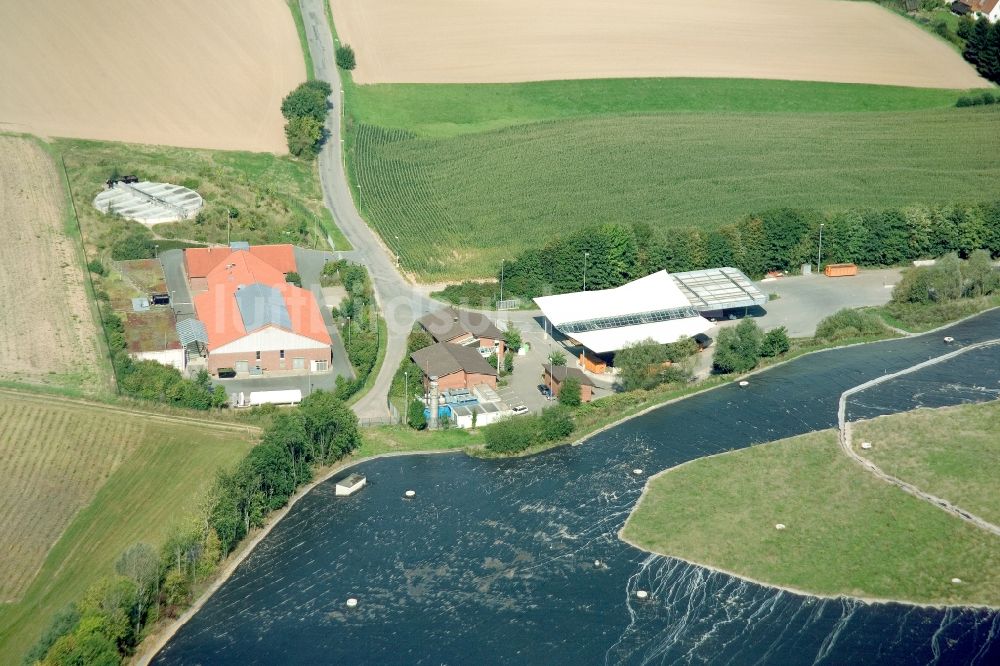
454 207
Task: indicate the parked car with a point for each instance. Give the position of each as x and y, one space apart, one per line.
519 410
545 390
226 373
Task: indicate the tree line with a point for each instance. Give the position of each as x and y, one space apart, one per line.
982 46
360 327
610 255
109 621
305 110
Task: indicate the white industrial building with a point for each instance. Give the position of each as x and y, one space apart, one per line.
663 307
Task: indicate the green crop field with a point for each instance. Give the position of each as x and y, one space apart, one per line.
460 190
846 532
81 483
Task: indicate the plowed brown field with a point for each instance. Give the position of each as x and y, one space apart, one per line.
47 333
481 41
192 73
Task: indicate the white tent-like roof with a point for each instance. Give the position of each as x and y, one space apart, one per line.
610 319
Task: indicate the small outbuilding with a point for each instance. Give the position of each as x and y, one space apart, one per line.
455 366
350 485
554 375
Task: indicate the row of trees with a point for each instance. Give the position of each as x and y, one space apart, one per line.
982 47
360 328
149 380
305 110
107 623
780 239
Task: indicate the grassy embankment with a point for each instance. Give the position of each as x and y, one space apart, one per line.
457 172
847 533
82 482
946 452
276 199
920 317
300 28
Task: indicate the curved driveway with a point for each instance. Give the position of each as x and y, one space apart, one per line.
398 301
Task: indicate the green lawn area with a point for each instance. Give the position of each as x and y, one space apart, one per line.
402 439
154 486
847 533
949 452
442 110
454 206
276 199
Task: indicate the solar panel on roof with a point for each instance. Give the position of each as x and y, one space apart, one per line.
261 306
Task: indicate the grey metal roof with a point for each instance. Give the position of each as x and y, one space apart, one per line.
140 304
239 245
719 289
261 306
192 330
450 323
445 358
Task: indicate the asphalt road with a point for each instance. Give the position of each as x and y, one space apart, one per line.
173 270
397 299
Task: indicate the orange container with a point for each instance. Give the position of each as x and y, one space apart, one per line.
840 270
592 363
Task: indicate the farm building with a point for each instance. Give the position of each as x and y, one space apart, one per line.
664 307
465 328
455 366
200 261
151 335
988 8
255 321
553 376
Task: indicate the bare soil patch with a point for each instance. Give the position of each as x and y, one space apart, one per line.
482 41
195 73
47 333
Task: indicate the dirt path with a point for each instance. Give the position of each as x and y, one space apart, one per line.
471 41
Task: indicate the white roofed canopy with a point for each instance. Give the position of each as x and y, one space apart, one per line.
609 319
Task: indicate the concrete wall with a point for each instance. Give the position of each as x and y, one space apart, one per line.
173 357
270 360
461 380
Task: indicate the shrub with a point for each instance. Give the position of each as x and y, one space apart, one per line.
988 98
963 101
345 57
848 323
569 392
294 278
306 101
470 293
557 357
416 418
556 422
738 349
775 342
96 267
134 245
303 135
511 435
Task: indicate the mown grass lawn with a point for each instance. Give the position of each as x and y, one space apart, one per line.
847 532
134 475
950 452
